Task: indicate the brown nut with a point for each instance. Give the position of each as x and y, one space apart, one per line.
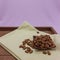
48 52
31 51
26 51
44 52
22 46
37 32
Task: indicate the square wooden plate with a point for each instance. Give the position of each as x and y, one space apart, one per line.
4 54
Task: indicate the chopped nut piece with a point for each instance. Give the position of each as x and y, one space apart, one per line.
31 51
22 46
44 52
26 51
38 32
48 52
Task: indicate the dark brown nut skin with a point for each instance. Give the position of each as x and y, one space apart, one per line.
31 51
28 48
44 52
22 46
37 32
26 51
26 40
47 46
43 42
24 43
30 44
48 52
34 37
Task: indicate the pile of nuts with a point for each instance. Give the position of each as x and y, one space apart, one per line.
42 42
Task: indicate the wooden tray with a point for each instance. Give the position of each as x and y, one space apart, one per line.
5 55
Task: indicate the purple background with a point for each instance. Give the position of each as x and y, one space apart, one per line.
36 12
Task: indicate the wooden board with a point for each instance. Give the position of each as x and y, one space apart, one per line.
5 55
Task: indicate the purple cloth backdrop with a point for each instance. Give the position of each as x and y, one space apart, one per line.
36 12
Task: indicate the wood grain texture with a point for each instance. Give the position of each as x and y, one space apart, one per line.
7 58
